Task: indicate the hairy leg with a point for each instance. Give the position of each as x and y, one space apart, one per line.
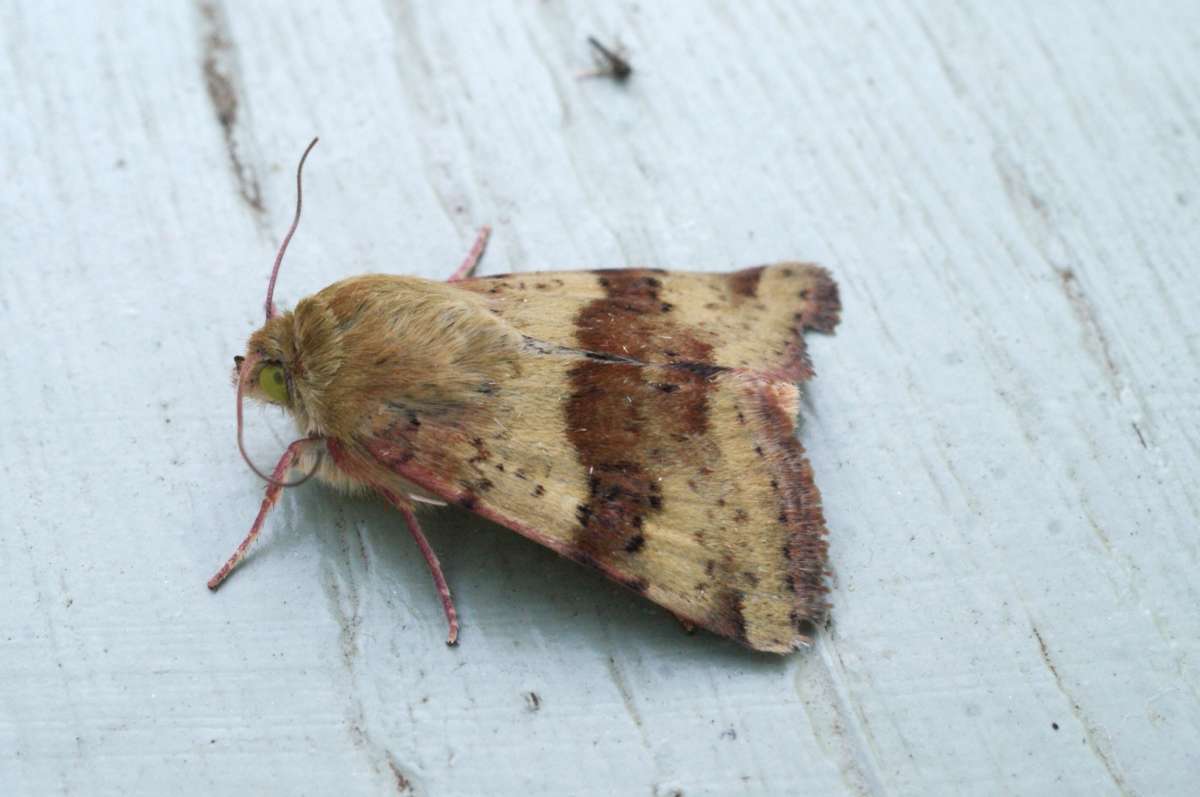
431 560
275 487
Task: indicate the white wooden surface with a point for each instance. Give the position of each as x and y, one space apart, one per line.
1005 428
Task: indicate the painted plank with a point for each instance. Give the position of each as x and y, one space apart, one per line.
1004 428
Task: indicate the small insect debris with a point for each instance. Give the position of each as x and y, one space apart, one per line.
610 64
640 422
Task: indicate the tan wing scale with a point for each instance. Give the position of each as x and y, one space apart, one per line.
753 318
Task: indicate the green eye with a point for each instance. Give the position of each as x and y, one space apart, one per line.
273 383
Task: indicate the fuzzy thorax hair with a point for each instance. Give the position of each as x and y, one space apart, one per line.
376 341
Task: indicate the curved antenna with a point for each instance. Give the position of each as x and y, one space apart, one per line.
269 305
244 372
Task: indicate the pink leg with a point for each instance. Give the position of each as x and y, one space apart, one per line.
435 570
468 266
431 560
274 489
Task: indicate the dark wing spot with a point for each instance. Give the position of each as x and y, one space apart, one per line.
728 618
702 370
638 585
745 282
624 418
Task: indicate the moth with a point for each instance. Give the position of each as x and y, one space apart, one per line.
638 421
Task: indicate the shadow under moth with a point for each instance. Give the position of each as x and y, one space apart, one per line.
638 421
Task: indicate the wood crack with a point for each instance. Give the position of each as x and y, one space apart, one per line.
219 67
1090 731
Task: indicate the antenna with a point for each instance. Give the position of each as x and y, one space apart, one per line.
269 305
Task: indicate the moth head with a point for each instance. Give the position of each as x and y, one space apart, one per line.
277 369
263 378
265 372
261 374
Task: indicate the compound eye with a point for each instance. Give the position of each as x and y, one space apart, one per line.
273 383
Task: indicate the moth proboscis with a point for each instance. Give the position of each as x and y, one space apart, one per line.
638 421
